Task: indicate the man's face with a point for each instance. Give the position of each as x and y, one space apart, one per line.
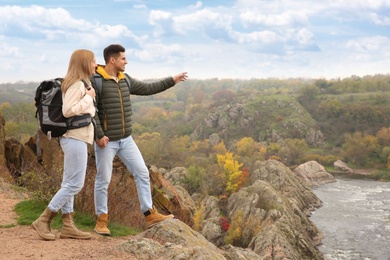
120 62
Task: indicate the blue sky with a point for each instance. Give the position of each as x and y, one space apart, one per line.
208 39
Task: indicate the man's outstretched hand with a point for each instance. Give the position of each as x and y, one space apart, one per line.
180 77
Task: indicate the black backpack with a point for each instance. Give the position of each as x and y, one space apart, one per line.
48 103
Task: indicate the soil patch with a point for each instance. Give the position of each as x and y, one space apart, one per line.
22 242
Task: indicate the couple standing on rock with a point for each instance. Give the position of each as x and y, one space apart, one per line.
111 133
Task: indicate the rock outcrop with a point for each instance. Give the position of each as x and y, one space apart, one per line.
271 215
285 118
276 210
314 174
173 239
269 218
4 172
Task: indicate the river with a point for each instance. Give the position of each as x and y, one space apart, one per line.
355 219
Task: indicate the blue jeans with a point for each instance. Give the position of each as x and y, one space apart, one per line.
127 150
75 166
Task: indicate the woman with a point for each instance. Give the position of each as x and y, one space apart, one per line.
78 98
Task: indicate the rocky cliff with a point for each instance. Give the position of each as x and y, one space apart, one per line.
271 215
264 118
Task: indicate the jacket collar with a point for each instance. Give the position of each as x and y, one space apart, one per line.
102 71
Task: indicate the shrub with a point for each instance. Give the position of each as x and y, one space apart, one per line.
224 223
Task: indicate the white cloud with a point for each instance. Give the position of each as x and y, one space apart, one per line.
197 5
8 51
287 18
360 4
156 16
305 37
34 18
380 19
140 6
379 45
162 22
153 52
261 36
197 21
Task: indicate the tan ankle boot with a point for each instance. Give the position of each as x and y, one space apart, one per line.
154 217
69 229
42 225
102 225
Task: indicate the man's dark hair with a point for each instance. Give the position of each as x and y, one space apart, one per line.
112 50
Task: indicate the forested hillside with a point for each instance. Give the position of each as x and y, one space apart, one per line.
202 123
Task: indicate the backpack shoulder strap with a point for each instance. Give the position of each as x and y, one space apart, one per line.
98 82
127 78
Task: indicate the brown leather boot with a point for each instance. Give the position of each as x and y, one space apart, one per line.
69 229
102 225
42 225
152 217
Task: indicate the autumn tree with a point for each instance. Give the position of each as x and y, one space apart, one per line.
150 144
358 147
153 116
383 136
176 150
234 232
249 150
273 150
246 146
293 150
244 177
230 168
200 146
195 180
220 148
331 108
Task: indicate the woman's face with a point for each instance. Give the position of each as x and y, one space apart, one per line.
93 66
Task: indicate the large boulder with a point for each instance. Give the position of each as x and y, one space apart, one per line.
341 166
172 239
314 174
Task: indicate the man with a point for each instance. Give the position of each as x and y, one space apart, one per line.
113 134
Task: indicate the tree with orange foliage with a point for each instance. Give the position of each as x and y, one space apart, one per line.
220 148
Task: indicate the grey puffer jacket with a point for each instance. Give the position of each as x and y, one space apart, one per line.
113 117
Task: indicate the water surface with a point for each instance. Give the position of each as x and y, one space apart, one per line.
355 219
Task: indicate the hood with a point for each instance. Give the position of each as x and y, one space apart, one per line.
102 71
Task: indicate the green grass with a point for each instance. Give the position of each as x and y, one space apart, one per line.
30 210
7 226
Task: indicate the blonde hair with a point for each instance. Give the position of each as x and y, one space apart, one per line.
79 68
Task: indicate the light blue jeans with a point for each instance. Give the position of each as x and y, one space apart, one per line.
75 166
127 150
